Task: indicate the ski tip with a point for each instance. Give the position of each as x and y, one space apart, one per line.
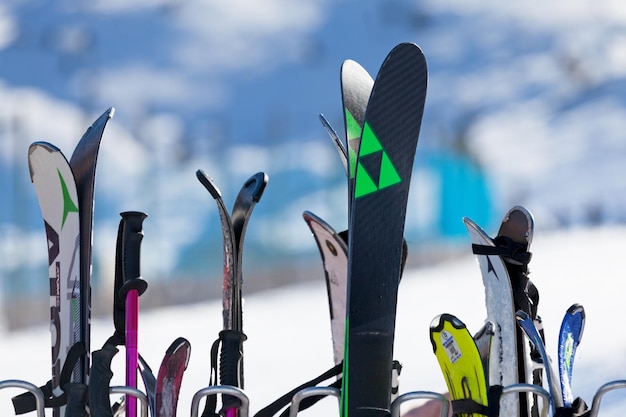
437 323
409 50
329 128
256 185
35 150
353 72
473 228
104 117
521 315
518 224
209 184
42 146
311 218
576 309
405 46
177 345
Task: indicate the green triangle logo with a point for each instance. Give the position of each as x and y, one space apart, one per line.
388 174
364 183
370 150
68 205
369 141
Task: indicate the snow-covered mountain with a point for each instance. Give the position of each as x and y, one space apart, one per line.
524 106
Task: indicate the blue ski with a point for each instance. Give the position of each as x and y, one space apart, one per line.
569 337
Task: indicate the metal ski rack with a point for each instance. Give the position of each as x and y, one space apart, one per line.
395 410
32 388
220 389
597 399
143 398
311 392
531 388
420 395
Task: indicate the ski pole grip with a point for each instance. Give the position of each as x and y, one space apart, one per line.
231 363
131 253
76 400
99 381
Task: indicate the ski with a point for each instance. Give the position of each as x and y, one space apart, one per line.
461 365
162 391
54 184
169 378
231 338
570 335
83 163
334 253
503 262
339 146
356 88
382 177
528 326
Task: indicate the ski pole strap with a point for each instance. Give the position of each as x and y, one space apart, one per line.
512 252
210 406
284 400
25 403
494 393
578 409
76 400
468 406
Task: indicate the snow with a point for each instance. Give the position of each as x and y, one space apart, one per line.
289 335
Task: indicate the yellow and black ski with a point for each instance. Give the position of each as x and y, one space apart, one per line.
461 364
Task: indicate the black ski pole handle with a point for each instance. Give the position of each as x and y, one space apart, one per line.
99 381
132 235
231 364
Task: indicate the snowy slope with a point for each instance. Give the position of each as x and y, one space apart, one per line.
289 335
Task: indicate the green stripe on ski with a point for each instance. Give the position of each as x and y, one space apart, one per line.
345 379
353 130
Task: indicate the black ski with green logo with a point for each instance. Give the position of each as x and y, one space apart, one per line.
383 172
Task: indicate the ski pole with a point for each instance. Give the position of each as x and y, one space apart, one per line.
132 287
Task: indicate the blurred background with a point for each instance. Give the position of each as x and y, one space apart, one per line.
525 105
